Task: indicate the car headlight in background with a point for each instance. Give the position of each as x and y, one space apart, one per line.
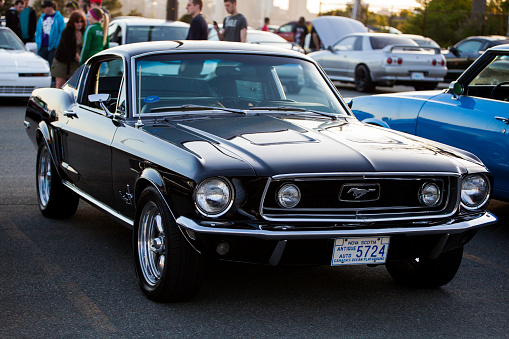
288 196
475 191
213 196
429 194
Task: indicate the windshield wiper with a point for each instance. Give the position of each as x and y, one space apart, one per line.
296 109
195 108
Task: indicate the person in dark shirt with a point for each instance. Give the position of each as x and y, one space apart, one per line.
234 26
28 22
198 29
12 18
300 31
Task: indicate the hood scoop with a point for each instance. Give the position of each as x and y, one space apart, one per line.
277 138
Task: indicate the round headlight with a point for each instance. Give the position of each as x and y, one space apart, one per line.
213 196
288 196
475 191
429 195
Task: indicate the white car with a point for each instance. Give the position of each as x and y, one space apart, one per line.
21 71
129 30
381 59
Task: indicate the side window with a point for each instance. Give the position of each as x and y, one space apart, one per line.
471 46
73 80
346 44
285 28
105 77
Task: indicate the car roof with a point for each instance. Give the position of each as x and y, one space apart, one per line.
504 47
134 49
136 21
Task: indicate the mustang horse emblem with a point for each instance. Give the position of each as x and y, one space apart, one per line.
360 192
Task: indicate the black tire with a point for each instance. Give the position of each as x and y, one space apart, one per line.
426 273
168 268
55 200
363 82
427 86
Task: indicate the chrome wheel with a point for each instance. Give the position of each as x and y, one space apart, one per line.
151 244
44 176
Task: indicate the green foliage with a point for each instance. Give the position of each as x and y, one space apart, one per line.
448 22
186 18
134 12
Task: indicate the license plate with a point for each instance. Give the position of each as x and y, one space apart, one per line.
359 251
417 76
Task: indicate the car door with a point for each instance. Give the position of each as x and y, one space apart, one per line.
88 132
474 122
336 61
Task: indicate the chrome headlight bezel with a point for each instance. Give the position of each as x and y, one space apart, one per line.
286 188
480 202
427 188
206 188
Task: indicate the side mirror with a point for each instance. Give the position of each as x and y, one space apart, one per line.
101 99
456 89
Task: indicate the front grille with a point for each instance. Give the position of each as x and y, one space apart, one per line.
16 89
392 196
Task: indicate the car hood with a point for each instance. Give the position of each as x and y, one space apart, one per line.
22 61
332 28
272 146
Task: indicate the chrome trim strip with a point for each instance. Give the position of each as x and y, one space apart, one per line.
452 227
98 204
27 124
371 175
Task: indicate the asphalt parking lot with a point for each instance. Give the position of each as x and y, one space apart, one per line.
76 278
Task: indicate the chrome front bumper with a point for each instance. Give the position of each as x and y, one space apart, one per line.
451 227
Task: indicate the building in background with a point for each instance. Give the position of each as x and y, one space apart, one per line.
254 10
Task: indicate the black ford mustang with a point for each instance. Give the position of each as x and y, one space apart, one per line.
200 148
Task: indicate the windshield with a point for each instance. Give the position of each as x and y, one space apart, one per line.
233 81
8 40
155 33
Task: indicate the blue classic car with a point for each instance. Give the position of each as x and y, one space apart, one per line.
473 114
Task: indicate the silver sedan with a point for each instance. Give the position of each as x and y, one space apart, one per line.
371 59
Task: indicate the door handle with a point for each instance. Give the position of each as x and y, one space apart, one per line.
506 120
70 114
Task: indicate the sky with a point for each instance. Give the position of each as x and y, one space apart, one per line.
374 5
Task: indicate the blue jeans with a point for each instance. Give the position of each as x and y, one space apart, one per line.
46 54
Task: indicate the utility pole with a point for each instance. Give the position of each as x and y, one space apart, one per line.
172 10
356 10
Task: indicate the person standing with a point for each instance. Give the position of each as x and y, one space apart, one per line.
99 4
27 21
48 31
198 29
266 23
67 56
12 17
72 7
95 38
234 26
300 31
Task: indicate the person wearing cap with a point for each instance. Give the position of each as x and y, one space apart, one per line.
95 38
72 7
28 21
48 31
99 4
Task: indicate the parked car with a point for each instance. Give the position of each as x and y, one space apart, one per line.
134 29
255 36
382 59
461 55
196 147
286 31
422 40
473 114
21 71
